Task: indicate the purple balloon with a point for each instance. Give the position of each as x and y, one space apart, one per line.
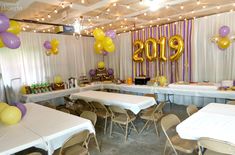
110 71
47 45
22 108
92 72
111 34
105 53
224 31
10 40
4 23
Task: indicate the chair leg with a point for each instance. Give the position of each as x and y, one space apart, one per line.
105 125
144 127
134 127
97 144
156 128
126 131
111 127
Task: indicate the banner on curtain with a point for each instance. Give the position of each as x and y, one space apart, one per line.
156 45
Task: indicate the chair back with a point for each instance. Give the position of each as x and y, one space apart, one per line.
231 102
169 121
159 107
115 111
191 109
98 105
216 145
89 115
78 138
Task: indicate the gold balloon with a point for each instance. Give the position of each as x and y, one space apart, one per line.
107 41
224 42
54 51
101 65
215 39
98 34
154 49
98 46
58 79
54 43
1 43
139 50
109 48
176 42
48 52
162 42
14 28
10 115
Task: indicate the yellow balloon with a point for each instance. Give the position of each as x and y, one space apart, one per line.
57 79
107 41
109 48
54 51
162 80
101 65
98 46
10 115
14 28
162 42
54 43
98 34
3 106
153 42
23 90
1 43
176 42
136 56
224 42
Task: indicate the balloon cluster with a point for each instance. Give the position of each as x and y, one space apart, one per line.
104 42
223 40
11 114
51 47
8 32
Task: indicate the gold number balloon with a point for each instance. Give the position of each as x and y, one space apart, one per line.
152 42
176 42
138 51
162 43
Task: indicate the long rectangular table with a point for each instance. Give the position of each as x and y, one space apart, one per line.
214 121
188 91
132 102
41 127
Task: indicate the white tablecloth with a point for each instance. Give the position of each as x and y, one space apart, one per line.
42 127
132 102
213 121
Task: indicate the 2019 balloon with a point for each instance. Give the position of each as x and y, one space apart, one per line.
10 115
224 31
136 56
98 34
14 28
176 42
162 42
224 42
10 40
4 23
148 42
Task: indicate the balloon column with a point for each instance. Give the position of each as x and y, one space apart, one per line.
8 32
51 47
223 40
11 114
104 43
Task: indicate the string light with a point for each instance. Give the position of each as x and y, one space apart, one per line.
180 17
97 17
125 19
192 12
203 6
181 7
62 5
110 24
71 5
158 19
198 2
43 19
55 11
128 7
141 2
168 19
27 26
167 7
24 28
34 31
82 1
49 16
37 19
108 10
136 18
114 4
218 7
145 14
